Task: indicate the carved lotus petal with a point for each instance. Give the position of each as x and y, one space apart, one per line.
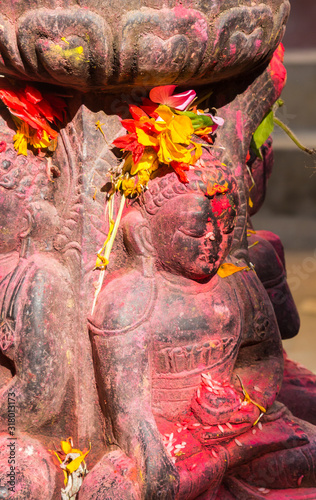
97 46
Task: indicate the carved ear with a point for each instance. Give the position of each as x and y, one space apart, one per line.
27 224
137 236
144 237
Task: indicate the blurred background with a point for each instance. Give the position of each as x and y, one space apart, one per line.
290 206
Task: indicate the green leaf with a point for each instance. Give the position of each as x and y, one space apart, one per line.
262 133
198 121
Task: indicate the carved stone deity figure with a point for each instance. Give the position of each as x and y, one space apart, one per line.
199 343
172 372
36 304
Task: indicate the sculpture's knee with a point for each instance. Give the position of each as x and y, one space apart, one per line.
289 468
26 469
113 477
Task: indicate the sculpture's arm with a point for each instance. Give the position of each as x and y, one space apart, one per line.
123 362
260 368
43 317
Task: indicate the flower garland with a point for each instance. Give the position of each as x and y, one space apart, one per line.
160 133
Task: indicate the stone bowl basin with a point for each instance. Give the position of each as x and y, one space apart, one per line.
108 45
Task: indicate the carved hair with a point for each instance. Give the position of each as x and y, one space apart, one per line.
27 177
29 180
162 189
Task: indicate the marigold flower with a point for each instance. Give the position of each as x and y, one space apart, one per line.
174 134
27 135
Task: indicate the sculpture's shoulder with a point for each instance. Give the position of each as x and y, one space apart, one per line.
275 241
39 281
265 257
46 268
125 302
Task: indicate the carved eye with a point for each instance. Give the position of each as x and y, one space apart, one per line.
192 232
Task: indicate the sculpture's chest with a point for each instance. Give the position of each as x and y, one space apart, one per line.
195 331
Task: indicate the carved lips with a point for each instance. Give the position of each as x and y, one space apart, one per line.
86 49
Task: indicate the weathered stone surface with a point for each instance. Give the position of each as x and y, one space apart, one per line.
99 46
155 375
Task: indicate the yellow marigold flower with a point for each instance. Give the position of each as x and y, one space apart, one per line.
27 135
175 133
146 139
128 186
204 131
149 161
67 458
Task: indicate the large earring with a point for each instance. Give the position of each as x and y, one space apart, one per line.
24 234
143 233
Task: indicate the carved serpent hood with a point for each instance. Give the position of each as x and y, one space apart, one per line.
103 45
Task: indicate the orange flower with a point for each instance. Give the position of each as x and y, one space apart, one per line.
141 133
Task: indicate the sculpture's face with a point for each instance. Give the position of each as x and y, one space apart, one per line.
102 45
187 237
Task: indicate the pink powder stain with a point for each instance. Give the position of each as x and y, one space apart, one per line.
182 12
233 49
238 171
258 44
200 28
239 125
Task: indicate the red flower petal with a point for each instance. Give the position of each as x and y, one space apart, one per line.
11 100
207 138
125 141
162 93
58 106
129 125
138 153
136 112
149 107
179 168
33 95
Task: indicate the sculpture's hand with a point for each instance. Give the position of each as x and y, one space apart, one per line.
162 477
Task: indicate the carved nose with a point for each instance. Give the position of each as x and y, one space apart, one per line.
72 46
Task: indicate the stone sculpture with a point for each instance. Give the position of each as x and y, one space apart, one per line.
267 254
173 372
